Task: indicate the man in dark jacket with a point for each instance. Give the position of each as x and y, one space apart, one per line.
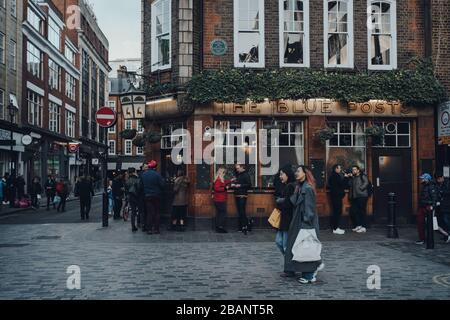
50 191
443 205
85 191
35 191
359 195
427 201
153 185
11 188
20 184
133 188
241 184
118 189
337 183
142 217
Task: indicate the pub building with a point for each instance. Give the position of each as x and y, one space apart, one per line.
183 38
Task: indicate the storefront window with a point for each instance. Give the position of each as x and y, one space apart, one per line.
173 135
53 165
290 146
348 146
397 135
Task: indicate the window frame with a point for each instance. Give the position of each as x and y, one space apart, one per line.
131 147
52 33
54 117
2 104
261 48
154 43
3 48
393 25
352 134
32 50
12 53
51 75
306 39
31 95
169 138
71 87
384 123
112 152
350 32
70 123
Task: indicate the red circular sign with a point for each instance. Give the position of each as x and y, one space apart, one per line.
106 117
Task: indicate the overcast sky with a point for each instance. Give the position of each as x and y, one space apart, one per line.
120 21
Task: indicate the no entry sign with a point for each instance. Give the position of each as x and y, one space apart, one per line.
106 117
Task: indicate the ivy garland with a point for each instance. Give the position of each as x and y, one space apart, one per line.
416 86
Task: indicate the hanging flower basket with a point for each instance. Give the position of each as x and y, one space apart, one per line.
325 134
375 131
139 141
128 134
153 137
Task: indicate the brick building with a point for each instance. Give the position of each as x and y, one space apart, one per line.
316 34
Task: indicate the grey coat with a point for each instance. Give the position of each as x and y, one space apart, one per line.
305 217
358 187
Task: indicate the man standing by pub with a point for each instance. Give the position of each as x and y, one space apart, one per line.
359 184
241 184
50 191
154 185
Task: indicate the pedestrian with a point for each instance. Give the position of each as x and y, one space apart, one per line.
180 202
126 206
142 217
85 191
283 194
5 188
443 205
62 192
11 187
305 217
50 191
337 183
36 191
20 184
427 202
153 189
2 191
220 198
358 195
110 198
133 188
241 184
118 189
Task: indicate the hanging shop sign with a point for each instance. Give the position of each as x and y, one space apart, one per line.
27 140
444 123
73 147
321 107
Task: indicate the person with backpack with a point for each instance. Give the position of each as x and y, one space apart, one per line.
359 195
132 190
85 191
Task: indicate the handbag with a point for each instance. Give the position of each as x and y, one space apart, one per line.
435 222
307 247
57 200
275 218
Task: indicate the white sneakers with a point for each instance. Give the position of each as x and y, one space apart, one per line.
339 231
360 229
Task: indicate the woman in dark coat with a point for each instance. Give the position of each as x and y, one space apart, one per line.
305 217
284 191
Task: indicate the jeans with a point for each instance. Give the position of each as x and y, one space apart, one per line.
308 275
281 241
152 204
336 204
110 205
241 204
134 212
62 204
221 214
358 212
117 207
85 207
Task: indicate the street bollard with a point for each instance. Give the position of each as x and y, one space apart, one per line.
430 229
392 226
105 212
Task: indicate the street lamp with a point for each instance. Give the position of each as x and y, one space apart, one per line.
12 112
133 104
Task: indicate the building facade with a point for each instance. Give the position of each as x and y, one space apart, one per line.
182 38
93 47
11 84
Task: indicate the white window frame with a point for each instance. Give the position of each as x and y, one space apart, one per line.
261 48
112 150
350 26
54 33
34 20
2 48
12 54
306 32
35 103
14 8
393 24
130 142
395 134
51 75
140 151
71 87
34 52
70 123
169 141
69 54
352 134
154 44
128 124
54 117
2 104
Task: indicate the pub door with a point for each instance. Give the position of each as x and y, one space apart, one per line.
392 173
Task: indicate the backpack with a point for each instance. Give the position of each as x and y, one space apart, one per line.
133 187
369 186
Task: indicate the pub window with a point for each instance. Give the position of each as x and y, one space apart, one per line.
239 145
348 146
160 34
397 135
382 35
249 33
290 146
128 147
338 28
294 33
173 135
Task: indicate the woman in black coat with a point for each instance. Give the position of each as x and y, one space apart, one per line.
284 191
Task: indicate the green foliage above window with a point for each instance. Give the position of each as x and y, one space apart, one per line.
415 86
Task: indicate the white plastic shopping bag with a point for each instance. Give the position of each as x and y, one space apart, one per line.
307 247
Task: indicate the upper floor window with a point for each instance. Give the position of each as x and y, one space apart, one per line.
35 107
54 33
249 33
2 48
34 60
14 8
34 20
3 4
54 120
161 33
294 33
70 54
382 34
128 124
338 33
12 55
2 104
54 79
71 87
70 124
128 147
112 147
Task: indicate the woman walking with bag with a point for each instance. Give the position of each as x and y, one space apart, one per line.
284 191
305 218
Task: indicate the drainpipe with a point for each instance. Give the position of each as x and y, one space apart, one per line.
428 28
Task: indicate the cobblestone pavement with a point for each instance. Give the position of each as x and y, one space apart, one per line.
116 264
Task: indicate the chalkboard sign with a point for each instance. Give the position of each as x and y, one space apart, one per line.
203 176
318 170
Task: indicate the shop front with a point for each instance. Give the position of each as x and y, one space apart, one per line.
392 160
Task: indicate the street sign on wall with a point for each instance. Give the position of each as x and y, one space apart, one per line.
444 123
106 117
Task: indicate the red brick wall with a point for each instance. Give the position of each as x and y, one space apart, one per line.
441 39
